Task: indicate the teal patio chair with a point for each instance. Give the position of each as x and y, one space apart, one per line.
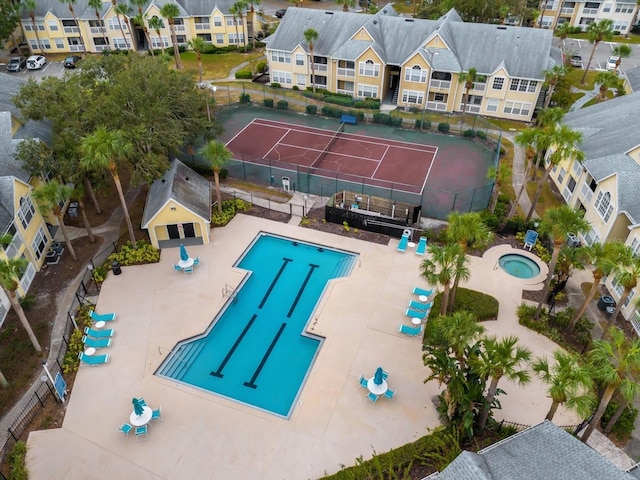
420 314
125 429
142 433
404 241
363 381
420 291
372 398
390 394
156 414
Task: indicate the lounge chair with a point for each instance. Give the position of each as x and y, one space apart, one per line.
372 398
530 239
105 317
99 333
419 305
422 246
142 433
421 292
389 393
125 429
421 314
363 381
156 414
96 342
93 359
404 241
411 331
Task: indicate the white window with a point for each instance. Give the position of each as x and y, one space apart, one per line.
280 56
410 96
561 176
520 85
620 26
498 83
120 43
635 245
300 59
34 44
157 42
415 74
624 7
219 38
233 39
632 294
554 169
46 43
603 205
26 211
39 243
576 168
617 287
369 69
606 8
301 79
53 25
40 25
518 108
439 97
217 21
230 21
113 24
370 91
591 237
59 42
492 104
281 77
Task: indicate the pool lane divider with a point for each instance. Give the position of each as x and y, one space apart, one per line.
252 383
302 287
275 280
218 372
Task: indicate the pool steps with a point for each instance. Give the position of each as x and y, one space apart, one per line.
182 358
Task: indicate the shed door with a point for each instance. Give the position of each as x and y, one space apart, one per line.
173 231
189 230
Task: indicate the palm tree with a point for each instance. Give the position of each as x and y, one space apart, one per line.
103 150
626 270
78 192
170 11
49 196
124 10
70 4
311 36
198 45
604 258
527 138
442 266
607 81
597 32
156 23
562 31
237 10
11 271
569 383
97 6
562 141
499 176
217 154
30 6
468 78
140 19
622 50
552 78
346 4
497 359
614 363
459 329
557 223
252 4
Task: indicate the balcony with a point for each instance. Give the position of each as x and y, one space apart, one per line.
71 30
179 28
590 11
439 106
345 92
440 84
471 108
102 48
567 10
96 30
347 72
75 48
320 67
27 278
203 26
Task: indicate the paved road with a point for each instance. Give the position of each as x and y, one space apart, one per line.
583 48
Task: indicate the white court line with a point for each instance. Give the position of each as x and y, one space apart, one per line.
380 163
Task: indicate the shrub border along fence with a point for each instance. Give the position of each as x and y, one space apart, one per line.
44 393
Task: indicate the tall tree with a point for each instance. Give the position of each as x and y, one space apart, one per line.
563 143
70 4
562 31
597 32
124 10
198 45
499 176
469 78
527 138
557 223
498 359
97 6
156 23
217 154
614 363
626 270
551 79
621 50
141 20
252 4
49 196
441 267
30 6
11 271
78 192
604 258
311 37
569 383
607 80
104 150
9 23
170 11
237 10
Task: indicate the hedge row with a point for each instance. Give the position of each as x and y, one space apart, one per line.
333 112
385 119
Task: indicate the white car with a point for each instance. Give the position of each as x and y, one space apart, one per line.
611 63
36 62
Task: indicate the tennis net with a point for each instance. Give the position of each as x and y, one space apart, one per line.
326 149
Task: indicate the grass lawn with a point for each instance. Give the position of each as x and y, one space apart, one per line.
547 198
574 75
507 159
218 66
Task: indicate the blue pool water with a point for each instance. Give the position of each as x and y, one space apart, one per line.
256 350
519 265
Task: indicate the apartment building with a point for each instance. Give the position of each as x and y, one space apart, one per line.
581 13
414 63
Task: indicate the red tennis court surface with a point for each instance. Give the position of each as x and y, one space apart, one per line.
405 165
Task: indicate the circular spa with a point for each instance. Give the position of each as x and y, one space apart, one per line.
519 265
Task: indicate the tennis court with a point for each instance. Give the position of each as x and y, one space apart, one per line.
405 165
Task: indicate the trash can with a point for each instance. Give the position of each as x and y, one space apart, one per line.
609 311
73 210
115 268
606 301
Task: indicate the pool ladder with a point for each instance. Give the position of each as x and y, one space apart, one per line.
229 291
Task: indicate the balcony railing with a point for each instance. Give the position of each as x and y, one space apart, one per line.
471 108
75 48
13 248
102 48
440 106
320 67
345 92
586 193
567 10
71 30
440 84
590 11
96 30
203 26
347 72
179 28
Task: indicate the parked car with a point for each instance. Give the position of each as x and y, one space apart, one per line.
71 61
280 13
611 62
16 64
36 62
576 61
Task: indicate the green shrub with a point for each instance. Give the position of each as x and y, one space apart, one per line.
552 326
99 273
295 87
625 424
469 133
28 300
275 85
539 249
481 135
422 124
385 119
229 210
283 105
145 253
311 109
16 459
483 306
339 100
503 151
268 102
244 74
443 127
245 98
333 112
261 66
368 103
71 362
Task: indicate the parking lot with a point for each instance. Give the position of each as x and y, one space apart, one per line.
605 49
51 69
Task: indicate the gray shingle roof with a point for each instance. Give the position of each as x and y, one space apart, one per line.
633 75
183 186
6 203
543 451
526 52
9 166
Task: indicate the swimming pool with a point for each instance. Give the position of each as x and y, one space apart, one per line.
256 350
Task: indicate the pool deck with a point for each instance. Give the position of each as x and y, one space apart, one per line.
203 435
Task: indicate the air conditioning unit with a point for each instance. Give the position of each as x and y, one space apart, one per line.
358 199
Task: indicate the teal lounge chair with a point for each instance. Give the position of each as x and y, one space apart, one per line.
93 359
96 342
422 246
420 291
419 305
421 314
411 331
105 317
404 241
99 333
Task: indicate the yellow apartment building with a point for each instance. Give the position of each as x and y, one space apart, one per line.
580 13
